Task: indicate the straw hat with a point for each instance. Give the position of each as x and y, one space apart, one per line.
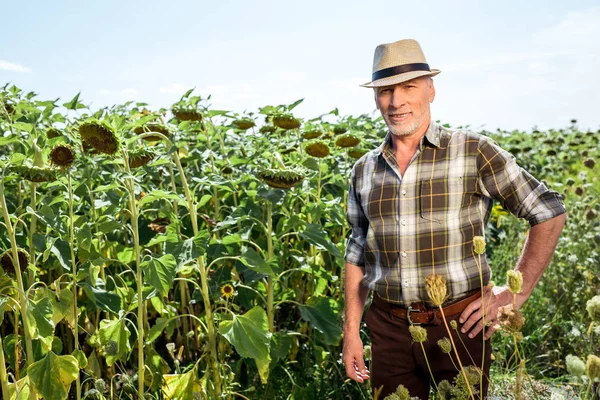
398 62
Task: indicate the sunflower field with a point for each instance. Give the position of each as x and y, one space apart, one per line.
194 253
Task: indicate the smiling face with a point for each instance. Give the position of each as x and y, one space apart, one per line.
405 106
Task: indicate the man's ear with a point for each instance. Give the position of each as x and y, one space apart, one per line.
431 90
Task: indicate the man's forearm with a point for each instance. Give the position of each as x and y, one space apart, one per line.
355 298
537 253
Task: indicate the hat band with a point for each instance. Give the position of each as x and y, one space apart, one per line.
400 69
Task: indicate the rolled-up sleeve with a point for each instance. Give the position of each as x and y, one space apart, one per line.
514 188
355 246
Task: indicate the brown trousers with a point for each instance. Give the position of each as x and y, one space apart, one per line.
396 360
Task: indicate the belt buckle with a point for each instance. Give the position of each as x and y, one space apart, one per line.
408 311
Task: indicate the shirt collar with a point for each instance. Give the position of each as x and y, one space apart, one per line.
432 136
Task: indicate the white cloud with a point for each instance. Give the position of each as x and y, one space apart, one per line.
174 88
13 67
130 93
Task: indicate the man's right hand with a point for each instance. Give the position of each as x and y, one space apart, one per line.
353 358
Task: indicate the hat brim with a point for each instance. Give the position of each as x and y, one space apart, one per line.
396 79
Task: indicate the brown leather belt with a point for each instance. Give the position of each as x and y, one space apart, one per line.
418 313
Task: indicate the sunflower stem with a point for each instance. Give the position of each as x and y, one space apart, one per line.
270 283
3 374
22 292
32 228
139 277
74 274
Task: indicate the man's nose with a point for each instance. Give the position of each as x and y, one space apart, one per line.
398 98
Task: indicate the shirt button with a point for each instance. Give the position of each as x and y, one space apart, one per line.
403 254
406 283
403 222
403 192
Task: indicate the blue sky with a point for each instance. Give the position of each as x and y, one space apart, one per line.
509 65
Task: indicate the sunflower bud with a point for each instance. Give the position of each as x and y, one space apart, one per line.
592 367
593 308
418 333
515 281
575 365
435 285
479 244
100 385
445 345
453 324
401 393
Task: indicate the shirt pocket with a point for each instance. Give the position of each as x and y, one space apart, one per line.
443 198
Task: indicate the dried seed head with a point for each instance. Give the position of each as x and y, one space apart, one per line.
591 214
453 324
35 174
593 308
551 152
171 347
227 291
184 114
479 244
281 179
570 182
152 127
100 385
243 123
444 388
590 163
62 156
510 320
579 191
515 281
435 284
445 345
347 140
418 333
491 284
52 133
357 152
100 136
575 365
7 262
317 148
592 367
140 157
367 352
285 121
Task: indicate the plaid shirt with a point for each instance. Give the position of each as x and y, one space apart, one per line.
406 227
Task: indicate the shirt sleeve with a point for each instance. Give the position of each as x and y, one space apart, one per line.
355 246
517 190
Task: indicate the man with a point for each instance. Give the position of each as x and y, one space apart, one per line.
415 204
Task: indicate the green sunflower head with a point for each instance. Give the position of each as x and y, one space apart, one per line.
317 148
35 174
152 127
281 179
99 136
243 123
285 121
186 114
347 140
140 157
340 129
52 133
267 129
357 152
